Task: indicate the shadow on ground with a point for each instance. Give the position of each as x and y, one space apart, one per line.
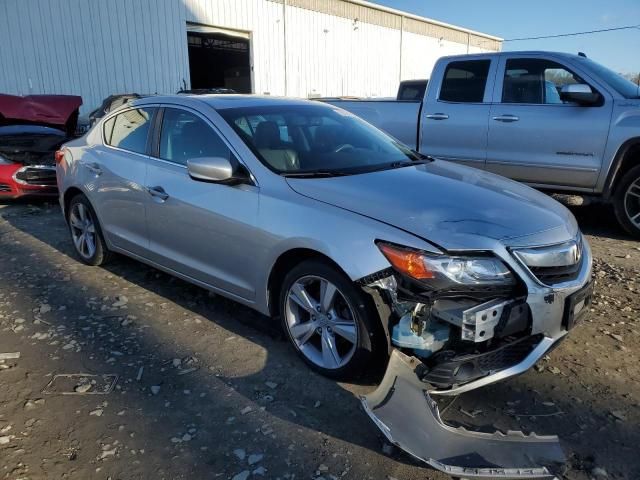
305 421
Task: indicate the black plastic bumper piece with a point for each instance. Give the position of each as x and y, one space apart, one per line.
409 418
466 368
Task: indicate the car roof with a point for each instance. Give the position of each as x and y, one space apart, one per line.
225 101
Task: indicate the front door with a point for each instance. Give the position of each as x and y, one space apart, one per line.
537 138
205 231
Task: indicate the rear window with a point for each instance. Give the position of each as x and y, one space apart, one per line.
129 130
465 82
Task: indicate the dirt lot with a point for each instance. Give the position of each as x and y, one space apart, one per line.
207 389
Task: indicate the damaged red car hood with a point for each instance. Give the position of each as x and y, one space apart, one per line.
53 110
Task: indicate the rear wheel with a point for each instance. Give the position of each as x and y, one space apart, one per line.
330 322
627 201
85 232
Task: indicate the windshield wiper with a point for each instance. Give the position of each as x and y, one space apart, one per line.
403 163
314 174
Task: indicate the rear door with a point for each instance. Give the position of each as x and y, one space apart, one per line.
114 176
537 138
205 231
454 118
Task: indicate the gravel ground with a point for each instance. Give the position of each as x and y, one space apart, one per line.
208 389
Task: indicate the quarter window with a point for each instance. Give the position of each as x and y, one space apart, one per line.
465 82
185 136
535 81
129 130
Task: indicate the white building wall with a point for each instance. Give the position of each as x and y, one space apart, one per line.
96 48
331 56
92 48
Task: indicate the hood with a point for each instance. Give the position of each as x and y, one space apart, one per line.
452 206
53 110
30 144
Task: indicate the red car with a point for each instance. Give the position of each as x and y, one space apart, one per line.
32 129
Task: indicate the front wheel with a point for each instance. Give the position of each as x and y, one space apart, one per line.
627 201
330 322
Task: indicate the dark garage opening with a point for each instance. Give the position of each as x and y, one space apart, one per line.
217 60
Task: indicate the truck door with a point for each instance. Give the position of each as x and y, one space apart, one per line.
536 137
455 116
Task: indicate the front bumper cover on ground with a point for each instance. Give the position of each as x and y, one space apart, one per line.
402 409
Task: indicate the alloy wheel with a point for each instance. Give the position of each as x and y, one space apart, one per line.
321 322
632 203
83 230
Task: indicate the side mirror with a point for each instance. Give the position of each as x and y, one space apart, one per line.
581 94
216 170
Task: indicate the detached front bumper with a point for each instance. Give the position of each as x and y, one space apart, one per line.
409 418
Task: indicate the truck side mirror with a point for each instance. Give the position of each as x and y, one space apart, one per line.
580 93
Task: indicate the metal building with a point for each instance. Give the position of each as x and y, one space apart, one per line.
302 48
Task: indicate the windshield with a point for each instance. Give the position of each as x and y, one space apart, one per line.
624 87
296 140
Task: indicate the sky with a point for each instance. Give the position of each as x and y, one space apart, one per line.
619 50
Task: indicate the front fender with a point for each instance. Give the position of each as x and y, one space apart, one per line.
347 238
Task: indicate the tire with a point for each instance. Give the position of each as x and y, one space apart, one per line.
626 201
82 219
350 327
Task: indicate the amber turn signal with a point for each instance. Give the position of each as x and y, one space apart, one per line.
406 261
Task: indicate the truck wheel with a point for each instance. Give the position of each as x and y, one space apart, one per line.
627 201
331 323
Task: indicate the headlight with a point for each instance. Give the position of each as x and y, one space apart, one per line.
445 272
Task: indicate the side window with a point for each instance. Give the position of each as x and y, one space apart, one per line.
535 81
129 130
465 82
185 136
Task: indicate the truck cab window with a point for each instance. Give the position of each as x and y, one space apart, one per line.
535 81
465 82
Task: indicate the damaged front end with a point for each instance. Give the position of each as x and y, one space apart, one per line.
27 159
409 418
454 324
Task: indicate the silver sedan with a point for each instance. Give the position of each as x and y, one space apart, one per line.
364 249
304 212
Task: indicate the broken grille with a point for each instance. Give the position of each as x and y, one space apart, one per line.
554 264
555 275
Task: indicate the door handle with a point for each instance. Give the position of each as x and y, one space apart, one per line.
94 168
506 118
158 192
438 116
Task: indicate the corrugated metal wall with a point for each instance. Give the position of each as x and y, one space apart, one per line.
95 48
92 48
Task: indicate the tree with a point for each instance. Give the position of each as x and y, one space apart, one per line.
634 77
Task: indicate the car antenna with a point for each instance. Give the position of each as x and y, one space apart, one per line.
582 54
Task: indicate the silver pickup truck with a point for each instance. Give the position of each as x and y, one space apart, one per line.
556 121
